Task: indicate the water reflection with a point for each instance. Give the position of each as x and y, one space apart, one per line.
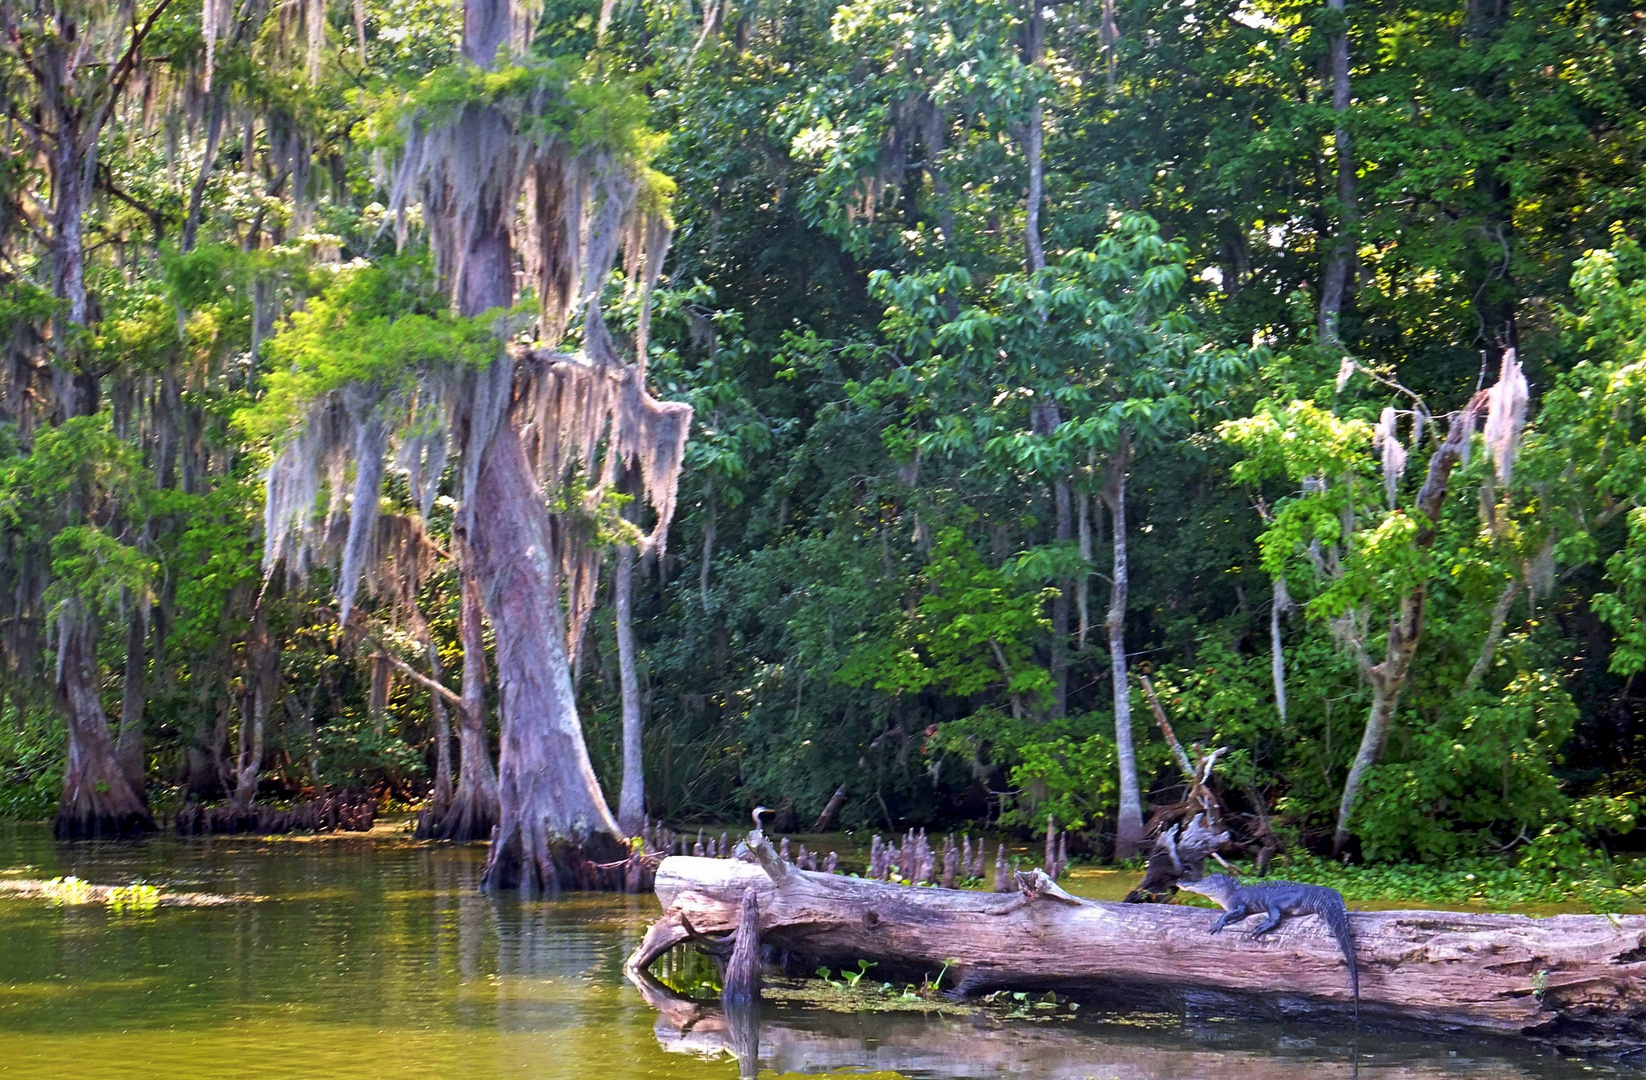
786 1040
367 959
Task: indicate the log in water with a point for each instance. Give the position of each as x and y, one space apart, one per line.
1575 980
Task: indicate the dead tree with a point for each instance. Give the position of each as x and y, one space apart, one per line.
1579 980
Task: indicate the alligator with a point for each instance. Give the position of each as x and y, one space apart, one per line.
1279 899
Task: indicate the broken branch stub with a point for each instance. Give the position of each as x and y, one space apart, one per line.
1180 853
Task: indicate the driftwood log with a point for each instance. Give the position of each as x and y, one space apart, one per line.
1578 981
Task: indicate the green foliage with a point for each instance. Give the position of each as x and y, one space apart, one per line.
1484 770
375 325
971 630
31 761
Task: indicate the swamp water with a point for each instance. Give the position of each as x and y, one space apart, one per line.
376 959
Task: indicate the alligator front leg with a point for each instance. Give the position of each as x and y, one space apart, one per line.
1275 915
1234 914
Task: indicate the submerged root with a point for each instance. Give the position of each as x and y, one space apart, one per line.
96 818
345 811
469 817
600 863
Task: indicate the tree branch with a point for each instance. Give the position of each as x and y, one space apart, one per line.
122 70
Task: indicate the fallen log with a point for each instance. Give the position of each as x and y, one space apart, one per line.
1577 981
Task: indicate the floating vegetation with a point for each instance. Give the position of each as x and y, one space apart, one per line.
70 890
135 898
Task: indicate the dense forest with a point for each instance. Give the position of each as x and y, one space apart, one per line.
895 413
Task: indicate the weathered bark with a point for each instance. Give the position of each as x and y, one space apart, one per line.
553 818
742 985
1340 259
1579 980
128 748
1129 825
631 801
1388 677
98 801
472 813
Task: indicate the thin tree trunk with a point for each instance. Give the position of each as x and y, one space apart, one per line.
1278 610
377 701
631 803
1129 826
473 811
442 793
708 545
553 818
1034 139
129 747
831 810
1083 583
98 801
254 713
1494 635
197 194
1388 678
1045 420
1340 261
1061 501
304 723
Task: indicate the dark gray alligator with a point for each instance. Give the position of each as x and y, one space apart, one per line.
1279 899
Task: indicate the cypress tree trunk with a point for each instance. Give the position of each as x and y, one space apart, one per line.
553 819
98 801
631 802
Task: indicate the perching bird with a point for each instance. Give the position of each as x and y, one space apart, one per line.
742 850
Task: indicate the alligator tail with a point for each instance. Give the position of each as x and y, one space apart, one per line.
1338 919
